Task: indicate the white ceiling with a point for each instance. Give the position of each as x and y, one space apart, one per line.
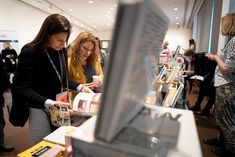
99 15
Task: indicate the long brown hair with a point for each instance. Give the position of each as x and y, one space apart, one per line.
74 49
53 24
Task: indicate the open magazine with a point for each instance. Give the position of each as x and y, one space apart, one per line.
86 104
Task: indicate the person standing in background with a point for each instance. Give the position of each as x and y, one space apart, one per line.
9 56
192 45
103 56
84 61
4 84
41 76
224 108
165 48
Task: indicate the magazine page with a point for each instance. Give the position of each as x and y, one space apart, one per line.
86 103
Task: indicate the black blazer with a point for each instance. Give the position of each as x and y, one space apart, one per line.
36 80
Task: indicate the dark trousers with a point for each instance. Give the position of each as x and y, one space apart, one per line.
2 125
206 89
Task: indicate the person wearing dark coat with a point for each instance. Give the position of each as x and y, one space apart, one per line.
4 84
9 57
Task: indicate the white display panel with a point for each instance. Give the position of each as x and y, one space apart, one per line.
139 31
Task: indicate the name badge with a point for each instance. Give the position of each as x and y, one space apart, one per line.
62 97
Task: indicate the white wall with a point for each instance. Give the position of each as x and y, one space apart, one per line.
25 19
104 35
225 8
178 37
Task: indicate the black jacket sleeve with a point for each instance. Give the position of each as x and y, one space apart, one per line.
23 80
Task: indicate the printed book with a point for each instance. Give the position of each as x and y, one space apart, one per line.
86 104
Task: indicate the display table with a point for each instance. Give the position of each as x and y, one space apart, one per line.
187 143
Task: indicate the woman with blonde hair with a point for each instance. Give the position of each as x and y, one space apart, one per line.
84 62
224 108
9 57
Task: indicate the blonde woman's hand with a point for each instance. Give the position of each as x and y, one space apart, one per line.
86 89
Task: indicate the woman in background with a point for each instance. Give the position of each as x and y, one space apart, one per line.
84 61
103 56
192 45
9 56
190 66
224 108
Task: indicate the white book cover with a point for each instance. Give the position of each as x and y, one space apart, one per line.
58 136
197 77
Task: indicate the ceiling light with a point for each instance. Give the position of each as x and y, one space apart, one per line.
71 10
90 2
111 8
37 1
177 23
50 6
115 5
90 16
175 9
176 17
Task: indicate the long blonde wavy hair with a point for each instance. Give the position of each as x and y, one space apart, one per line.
75 48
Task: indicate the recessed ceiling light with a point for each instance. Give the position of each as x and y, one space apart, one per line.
177 23
90 16
70 9
175 9
176 17
115 5
50 6
90 2
111 9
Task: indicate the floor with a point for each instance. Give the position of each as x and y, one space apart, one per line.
21 140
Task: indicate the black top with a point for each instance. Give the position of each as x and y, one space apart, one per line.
9 62
36 79
4 81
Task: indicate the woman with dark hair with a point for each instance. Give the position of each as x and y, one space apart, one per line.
41 75
224 108
190 66
192 45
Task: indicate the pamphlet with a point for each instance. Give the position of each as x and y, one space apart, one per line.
60 115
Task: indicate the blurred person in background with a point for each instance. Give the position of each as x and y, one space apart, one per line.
9 57
4 85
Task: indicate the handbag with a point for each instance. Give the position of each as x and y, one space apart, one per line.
19 112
